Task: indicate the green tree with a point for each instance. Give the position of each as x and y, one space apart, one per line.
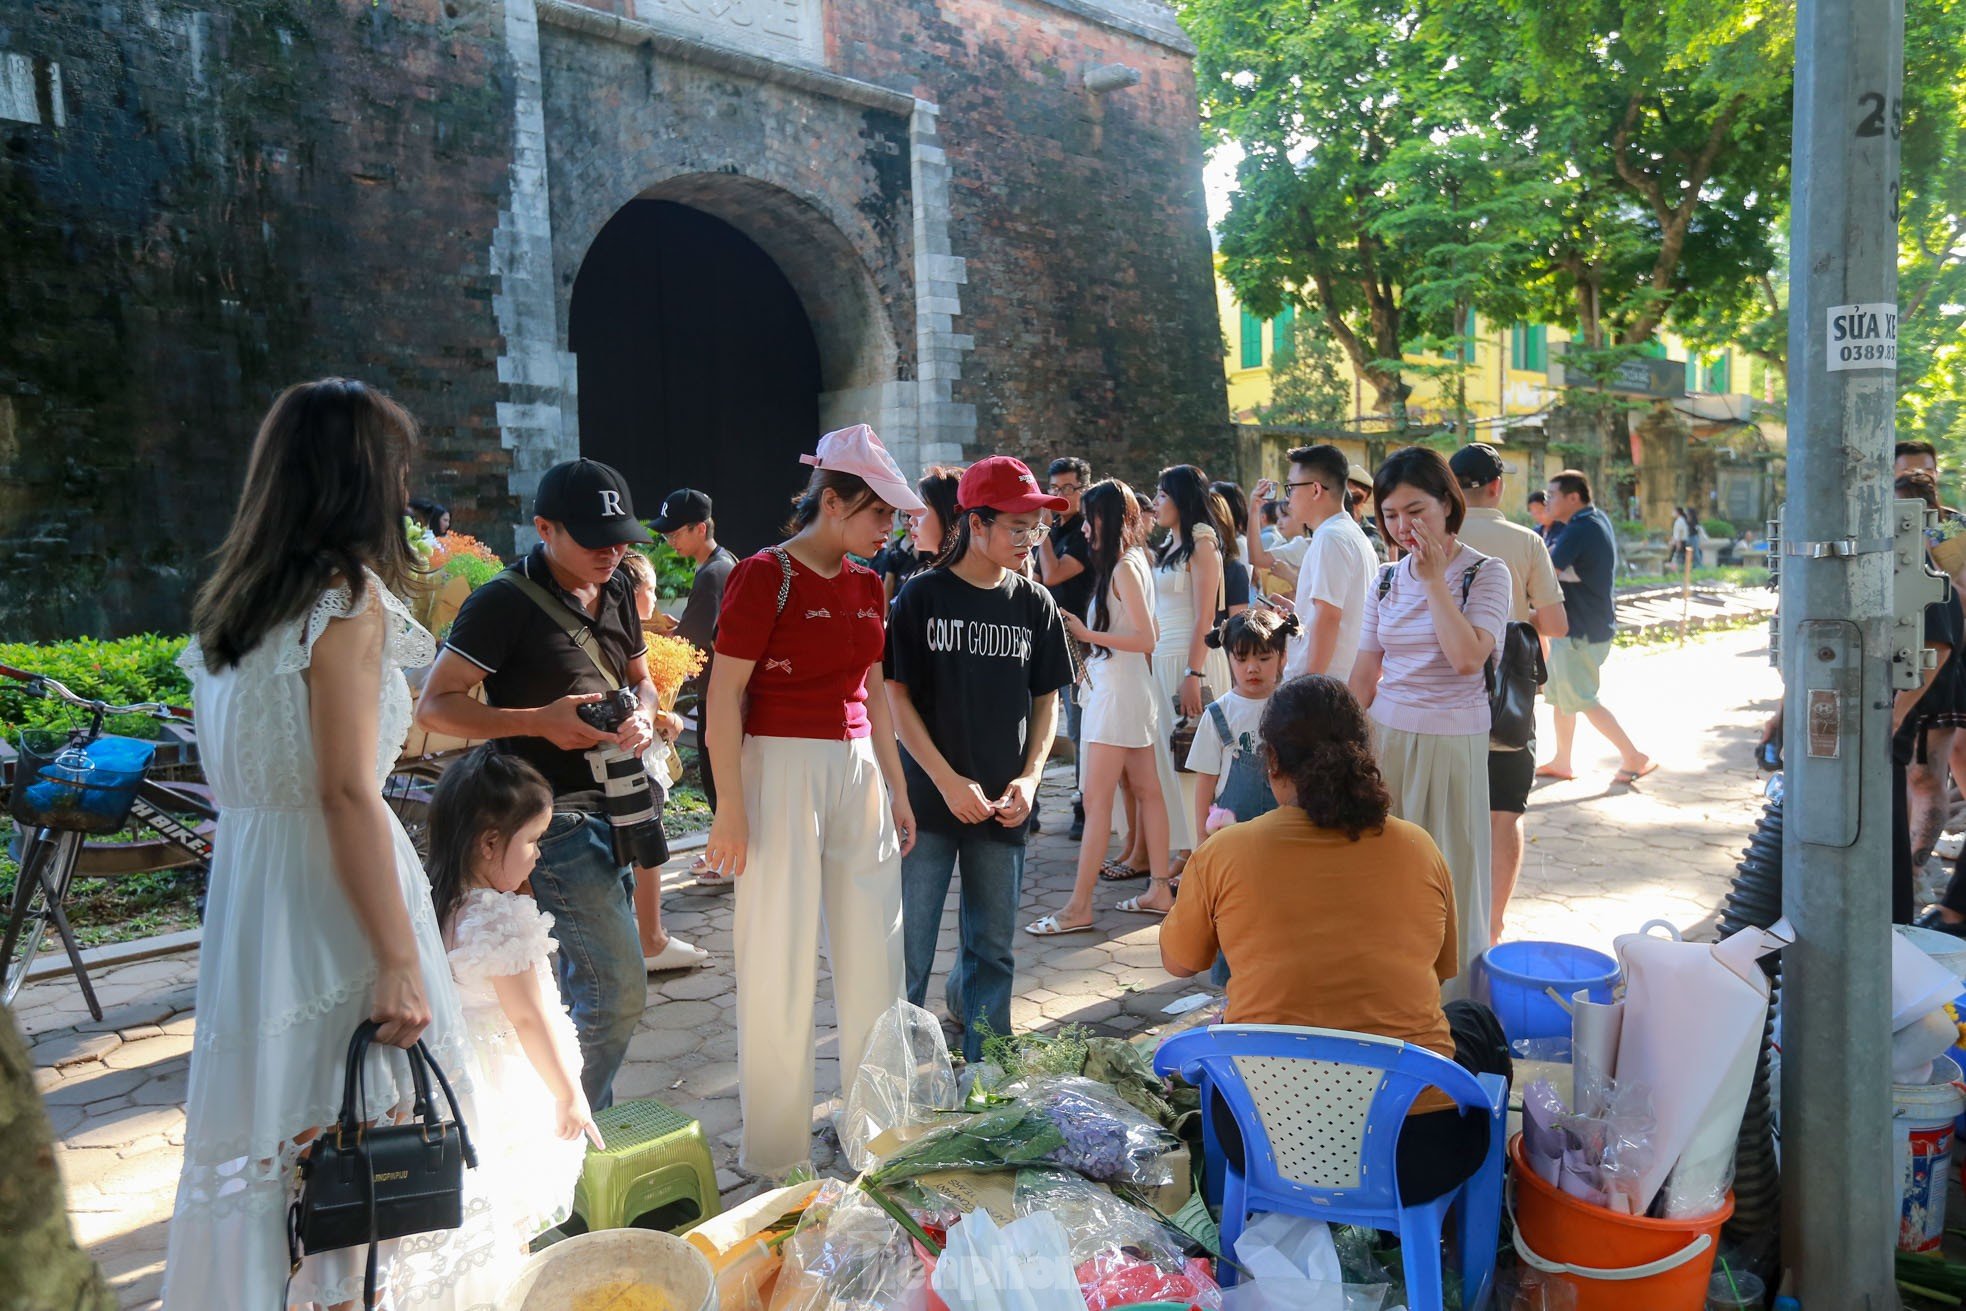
1309 386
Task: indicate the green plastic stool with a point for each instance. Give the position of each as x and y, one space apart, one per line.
654 1158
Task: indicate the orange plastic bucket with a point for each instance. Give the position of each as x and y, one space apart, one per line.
1615 1262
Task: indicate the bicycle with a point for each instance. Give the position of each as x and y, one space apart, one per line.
69 784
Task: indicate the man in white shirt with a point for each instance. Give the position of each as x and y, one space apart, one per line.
1337 569
1537 601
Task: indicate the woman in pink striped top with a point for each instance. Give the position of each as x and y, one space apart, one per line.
1431 623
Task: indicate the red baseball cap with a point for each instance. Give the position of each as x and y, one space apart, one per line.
1004 484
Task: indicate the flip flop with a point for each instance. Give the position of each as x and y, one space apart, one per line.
1132 906
1049 927
1118 871
1626 777
1544 771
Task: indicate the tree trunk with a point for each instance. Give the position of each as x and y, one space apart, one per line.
41 1269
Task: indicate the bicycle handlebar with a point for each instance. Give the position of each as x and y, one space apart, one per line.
43 685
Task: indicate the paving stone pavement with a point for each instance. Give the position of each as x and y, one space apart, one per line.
1600 861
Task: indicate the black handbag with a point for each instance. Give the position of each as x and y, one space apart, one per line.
362 1183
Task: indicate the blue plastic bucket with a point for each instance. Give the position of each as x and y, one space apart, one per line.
1517 977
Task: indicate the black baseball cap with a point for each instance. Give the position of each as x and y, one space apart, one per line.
1477 465
682 509
591 501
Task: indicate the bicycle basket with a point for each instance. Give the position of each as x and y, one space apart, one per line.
86 788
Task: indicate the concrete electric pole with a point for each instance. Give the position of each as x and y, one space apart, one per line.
1842 654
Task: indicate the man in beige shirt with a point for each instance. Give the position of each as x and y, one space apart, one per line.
1537 601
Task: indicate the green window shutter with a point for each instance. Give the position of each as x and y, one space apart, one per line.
1536 351
1692 373
1717 378
1655 348
1519 346
1252 341
1282 345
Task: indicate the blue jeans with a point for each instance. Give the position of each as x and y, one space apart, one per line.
992 879
602 981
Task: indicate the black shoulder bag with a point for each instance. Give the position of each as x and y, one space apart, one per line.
362 1183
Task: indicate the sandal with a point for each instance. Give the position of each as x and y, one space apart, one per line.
1132 905
1118 871
706 874
1049 927
1627 777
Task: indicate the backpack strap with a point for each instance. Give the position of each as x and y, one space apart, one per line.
1467 580
581 635
1386 579
1221 722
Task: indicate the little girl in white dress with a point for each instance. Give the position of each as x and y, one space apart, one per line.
485 820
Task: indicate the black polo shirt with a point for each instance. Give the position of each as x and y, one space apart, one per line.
530 661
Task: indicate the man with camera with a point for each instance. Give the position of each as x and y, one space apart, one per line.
557 646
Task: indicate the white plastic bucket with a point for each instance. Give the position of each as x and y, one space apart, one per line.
1922 1118
1945 948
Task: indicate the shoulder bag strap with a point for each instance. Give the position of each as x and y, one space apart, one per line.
1221 722
581 635
784 558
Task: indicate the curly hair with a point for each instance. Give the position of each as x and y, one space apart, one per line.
1315 733
1254 631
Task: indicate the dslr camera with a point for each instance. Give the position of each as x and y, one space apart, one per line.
626 796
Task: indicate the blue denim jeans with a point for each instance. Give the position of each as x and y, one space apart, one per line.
602 982
992 879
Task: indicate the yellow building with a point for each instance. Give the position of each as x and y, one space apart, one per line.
1508 388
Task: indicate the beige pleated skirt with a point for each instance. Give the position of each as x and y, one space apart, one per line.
1440 782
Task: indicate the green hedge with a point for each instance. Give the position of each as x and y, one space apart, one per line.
126 670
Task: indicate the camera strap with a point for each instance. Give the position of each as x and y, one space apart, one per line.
581 635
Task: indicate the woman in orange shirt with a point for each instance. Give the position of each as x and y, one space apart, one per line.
1338 916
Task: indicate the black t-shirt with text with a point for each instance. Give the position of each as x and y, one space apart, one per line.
973 659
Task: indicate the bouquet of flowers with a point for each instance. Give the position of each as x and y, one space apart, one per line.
1946 541
1070 1122
672 662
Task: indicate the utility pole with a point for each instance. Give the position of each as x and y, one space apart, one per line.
1839 646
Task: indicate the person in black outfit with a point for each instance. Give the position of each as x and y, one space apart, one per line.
1064 562
1911 713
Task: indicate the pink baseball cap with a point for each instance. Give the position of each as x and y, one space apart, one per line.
858 451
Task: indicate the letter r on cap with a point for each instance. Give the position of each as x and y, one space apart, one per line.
611 504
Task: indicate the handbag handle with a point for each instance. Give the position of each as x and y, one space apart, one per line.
354 1095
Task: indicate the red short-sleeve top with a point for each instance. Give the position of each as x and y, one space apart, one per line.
812 657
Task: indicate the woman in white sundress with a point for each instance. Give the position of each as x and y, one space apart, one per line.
1188 591
318 915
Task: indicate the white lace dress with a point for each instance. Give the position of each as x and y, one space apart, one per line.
528 1172
284 977
1174 610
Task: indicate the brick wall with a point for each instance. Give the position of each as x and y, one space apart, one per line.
200 203
232 197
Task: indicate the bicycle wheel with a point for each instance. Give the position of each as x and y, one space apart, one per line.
48 858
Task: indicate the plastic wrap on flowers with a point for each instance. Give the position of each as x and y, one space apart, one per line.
1074 1123
1121 1253
1106 1138
904 1080
848 1255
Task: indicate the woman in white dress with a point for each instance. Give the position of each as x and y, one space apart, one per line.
318 915
1121 728
1188 590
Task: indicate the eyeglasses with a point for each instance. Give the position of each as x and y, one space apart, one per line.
1025 537
1064 489
1308 482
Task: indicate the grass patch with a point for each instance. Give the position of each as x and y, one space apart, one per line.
1736 575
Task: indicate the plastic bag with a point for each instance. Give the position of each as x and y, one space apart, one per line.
1305 1295
904 1079
1024 1266
1289 1247
1122 1253
1075 1123
1524 1288
848 1255
1105 1137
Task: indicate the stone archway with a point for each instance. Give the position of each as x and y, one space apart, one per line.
717 325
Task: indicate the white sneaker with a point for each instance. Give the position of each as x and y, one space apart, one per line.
678 955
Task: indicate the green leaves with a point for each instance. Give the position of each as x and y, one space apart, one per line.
125 671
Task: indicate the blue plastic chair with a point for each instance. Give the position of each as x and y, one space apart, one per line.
1320 1112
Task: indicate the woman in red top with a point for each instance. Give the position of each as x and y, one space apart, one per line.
816 817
